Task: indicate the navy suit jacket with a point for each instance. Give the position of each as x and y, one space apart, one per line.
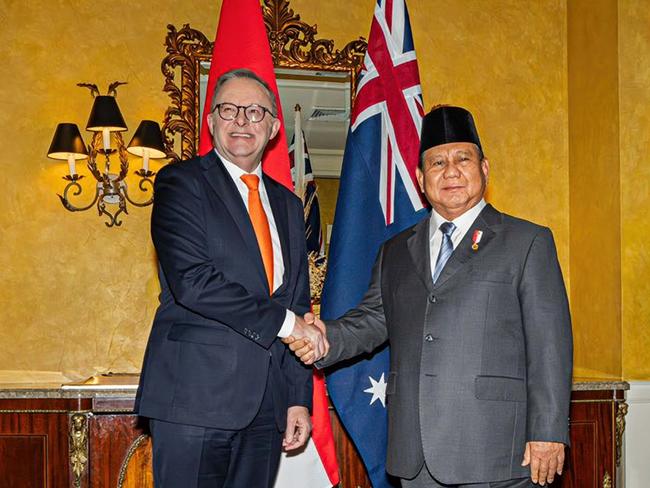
214 337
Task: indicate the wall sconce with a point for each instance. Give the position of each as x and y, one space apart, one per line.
106 121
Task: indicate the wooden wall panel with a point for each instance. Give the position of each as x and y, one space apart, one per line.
581 463
14 450
138 472
591 458
352 470
42 452
114 438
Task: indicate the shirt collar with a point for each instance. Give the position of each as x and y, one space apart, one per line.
235 171
461 222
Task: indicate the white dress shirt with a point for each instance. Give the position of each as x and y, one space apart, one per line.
462 223
236 173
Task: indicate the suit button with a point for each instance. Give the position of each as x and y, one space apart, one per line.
432 299
428 338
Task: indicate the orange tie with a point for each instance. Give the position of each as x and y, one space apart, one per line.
260 224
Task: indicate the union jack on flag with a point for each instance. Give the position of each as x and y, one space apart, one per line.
303 177
378 198
389 85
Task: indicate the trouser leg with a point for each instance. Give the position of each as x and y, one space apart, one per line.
425 479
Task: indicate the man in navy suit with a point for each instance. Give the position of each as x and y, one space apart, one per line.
217 384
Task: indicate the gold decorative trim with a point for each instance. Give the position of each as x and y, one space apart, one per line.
78 446
35 411
607 480
317 271
125 464
602 400
621 412
114 410
186 48
293 45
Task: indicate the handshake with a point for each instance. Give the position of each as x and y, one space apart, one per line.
308 340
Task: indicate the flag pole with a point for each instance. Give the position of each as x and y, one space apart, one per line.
299 154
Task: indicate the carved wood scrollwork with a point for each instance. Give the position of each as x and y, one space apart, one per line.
293 45
186 48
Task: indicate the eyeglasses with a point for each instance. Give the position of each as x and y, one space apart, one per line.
254 112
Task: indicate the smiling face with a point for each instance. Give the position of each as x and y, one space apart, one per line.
453 178
240 141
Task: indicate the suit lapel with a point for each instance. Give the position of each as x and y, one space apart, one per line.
418 246
281 218
464 253
225 190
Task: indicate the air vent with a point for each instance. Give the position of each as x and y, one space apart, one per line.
329 114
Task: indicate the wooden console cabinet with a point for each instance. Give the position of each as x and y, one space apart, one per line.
89 438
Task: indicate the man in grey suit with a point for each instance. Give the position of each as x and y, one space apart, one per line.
473 304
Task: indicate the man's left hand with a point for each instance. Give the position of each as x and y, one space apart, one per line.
298 428
546 459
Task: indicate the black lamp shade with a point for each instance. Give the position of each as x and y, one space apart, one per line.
148 136
67 142
105 114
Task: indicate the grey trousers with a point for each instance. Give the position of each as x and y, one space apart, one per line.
425 480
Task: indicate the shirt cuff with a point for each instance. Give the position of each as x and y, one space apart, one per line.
287 325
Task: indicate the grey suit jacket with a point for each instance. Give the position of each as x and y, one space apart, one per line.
480 362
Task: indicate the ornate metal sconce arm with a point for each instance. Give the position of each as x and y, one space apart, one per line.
112 219
146 184
77 191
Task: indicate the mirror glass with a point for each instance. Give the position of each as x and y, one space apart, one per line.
324 98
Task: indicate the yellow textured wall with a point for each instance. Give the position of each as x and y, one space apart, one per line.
75 296
594 182
78 297
505 60
328 189
634 60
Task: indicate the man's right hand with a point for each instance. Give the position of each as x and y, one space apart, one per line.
303 347
546 459
308 335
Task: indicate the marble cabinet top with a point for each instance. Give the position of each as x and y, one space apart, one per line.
126 387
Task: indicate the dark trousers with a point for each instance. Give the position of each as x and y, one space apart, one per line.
187 456
425 480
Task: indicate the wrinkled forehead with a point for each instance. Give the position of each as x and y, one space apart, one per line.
451 149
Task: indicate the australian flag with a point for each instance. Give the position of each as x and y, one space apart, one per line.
378 197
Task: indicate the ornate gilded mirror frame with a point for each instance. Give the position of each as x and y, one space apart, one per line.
293 45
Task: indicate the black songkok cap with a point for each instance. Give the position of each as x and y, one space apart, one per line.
445 124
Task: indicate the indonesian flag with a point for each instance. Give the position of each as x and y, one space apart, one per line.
242 42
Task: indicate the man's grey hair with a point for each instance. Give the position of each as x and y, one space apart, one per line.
245 74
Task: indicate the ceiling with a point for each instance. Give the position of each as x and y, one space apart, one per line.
324 100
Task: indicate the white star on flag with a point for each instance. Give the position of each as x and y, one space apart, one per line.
378 390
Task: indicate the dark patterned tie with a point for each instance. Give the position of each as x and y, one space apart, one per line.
446 248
